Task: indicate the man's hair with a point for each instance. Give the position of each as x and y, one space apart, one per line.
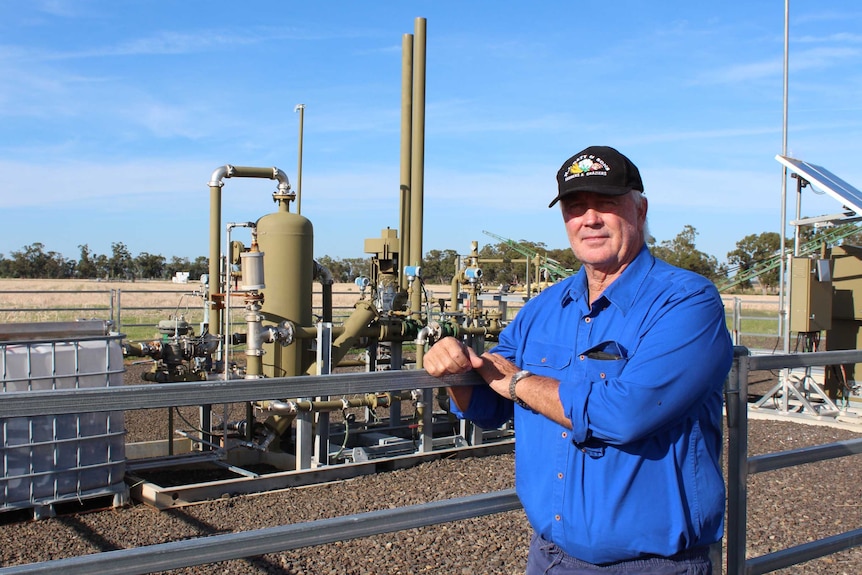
638 198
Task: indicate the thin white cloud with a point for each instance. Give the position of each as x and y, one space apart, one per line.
58 183
822 58
743 72
200 41
838 38
475 116
719 190
690 135
60 8
819 58
823 13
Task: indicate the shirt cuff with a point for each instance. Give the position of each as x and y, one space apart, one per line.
574 399
487 409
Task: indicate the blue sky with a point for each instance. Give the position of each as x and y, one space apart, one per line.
113 115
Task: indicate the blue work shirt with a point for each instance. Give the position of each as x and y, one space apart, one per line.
641 375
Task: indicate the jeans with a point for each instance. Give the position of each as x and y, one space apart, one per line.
546 558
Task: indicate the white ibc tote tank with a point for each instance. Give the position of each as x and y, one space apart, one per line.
49 459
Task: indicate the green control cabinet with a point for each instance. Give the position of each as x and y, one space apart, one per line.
810 295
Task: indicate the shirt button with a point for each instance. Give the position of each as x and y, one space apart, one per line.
559 475
602 375
587 320
565 435
582 357
557 517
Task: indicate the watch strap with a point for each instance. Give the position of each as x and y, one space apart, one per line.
513 382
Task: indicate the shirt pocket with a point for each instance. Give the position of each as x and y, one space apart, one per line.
545 358
604 361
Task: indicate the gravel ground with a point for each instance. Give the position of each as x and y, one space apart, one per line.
786 507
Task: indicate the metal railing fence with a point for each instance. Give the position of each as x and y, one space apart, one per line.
48 304
211 549
761 330
122 307
205 550
247 544
740 465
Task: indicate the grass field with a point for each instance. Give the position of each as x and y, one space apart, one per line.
136 307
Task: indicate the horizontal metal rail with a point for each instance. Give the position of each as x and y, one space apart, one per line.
791 458
764 362
740 465
49 292
805 552
115 307
129 397
204 550
43 309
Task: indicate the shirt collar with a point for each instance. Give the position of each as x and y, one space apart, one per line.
623 291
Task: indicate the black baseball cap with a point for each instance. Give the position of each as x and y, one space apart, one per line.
599 169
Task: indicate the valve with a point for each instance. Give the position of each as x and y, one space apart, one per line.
412 272
473 274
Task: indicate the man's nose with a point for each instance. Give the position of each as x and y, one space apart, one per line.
591 216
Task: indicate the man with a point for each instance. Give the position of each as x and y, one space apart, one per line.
618 374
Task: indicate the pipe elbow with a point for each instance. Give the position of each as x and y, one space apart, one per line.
283 182
282 407
219 174
322 274
425 335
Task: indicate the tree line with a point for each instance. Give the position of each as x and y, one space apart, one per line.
501 263
35 262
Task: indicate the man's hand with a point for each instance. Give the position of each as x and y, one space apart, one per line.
497 371
449 356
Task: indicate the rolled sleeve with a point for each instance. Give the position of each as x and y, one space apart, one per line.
574 399
486 409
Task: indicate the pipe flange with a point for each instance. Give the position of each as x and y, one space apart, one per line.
286 333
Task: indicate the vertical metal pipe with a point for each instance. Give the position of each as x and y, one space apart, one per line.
214 257
114 320
782 272
301 109
119 310
326 297
799 185
417 191
417 152
406 136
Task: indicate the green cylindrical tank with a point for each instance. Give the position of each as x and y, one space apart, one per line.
287 241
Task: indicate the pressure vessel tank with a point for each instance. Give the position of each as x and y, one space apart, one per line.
287 241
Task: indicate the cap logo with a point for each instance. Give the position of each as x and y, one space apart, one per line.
587 165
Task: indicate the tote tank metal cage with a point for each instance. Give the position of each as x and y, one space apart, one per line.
49 459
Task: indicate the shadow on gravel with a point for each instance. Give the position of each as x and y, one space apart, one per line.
86 533
204 529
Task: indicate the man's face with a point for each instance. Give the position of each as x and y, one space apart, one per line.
605 232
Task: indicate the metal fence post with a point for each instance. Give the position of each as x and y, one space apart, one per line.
114 323
119 309
736 405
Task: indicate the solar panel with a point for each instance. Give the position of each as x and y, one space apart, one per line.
826 181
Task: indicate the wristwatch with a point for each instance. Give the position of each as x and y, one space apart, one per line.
513 382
